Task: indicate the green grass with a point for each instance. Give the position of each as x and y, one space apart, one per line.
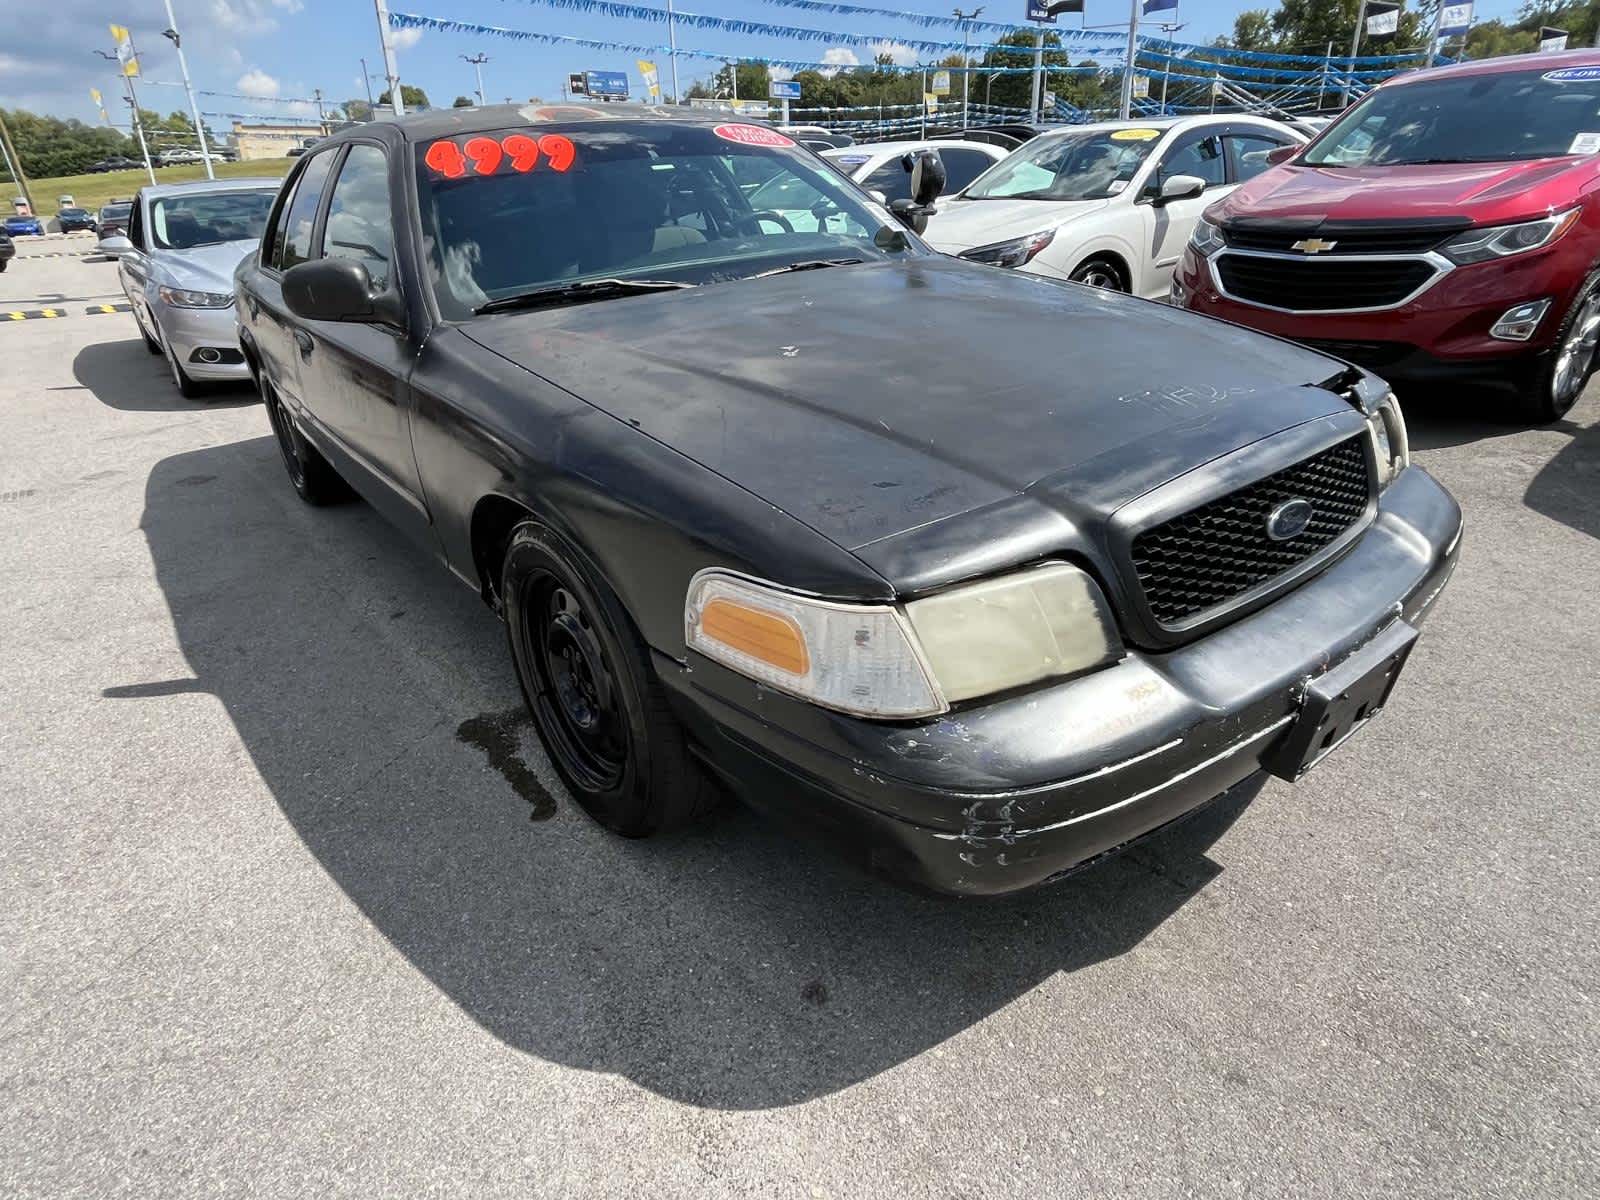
93 191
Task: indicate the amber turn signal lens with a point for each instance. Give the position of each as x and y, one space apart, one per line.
770 637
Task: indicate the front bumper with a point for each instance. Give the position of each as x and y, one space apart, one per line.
1006 795
193 332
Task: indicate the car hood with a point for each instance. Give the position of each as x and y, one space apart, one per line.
869 400
204 268
962 224
1477 192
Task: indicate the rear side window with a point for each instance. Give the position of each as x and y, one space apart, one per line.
359 226
963 166
302 212
892 179
1249 154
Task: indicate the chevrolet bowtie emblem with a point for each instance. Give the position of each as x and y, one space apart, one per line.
1312 245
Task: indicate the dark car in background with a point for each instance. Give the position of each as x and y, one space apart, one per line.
73 220
1444 231
8 250
114 163
113 228
802 507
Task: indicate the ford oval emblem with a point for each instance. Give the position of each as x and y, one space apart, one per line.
1289 520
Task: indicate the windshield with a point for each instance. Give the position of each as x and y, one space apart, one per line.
511 211
73 212
1088 164
1470 118
115 212
205 219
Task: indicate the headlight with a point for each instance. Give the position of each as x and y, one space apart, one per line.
1388 428
1499 241
181 298
892 662
1013 253
1206 238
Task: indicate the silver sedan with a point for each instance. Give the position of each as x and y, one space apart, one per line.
185 239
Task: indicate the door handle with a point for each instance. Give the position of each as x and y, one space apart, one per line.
305 342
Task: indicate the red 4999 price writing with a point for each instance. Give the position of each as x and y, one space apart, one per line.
485 155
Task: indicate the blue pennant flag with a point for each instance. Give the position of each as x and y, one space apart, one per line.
1153 6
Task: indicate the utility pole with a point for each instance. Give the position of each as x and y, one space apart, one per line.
322 119
14 165
672 48
390 71
132 100
966 19
477 61
171 33
366 78
1126 106
1327 68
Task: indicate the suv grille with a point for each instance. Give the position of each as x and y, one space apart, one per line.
1345 241
1302 285
1221 550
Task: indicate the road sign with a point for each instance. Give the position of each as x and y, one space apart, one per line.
606 83
941 83
783 89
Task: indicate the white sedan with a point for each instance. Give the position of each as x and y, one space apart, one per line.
877 167
1112 204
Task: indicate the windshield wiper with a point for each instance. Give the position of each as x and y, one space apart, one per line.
814 264
575 293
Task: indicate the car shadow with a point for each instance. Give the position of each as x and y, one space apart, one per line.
125 376
724 966
1438 418
1567 487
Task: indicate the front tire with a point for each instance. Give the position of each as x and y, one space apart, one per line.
1100 273
599 709
1561 379
188 388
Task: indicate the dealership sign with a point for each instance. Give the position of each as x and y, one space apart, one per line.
1454 20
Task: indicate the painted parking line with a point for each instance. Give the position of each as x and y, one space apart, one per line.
31 314
96 309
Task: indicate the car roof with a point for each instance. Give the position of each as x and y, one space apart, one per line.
1501 66
901 147
453 122
159 191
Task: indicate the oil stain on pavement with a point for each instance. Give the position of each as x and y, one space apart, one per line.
499 736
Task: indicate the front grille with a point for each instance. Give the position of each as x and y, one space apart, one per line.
1345 241
1211 554
1322 285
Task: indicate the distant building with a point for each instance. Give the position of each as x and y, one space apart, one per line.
273 141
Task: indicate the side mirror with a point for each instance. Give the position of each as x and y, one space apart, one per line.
1281 154
928 176
910 215
1179 187
335 289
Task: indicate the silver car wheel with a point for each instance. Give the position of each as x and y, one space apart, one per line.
1575 355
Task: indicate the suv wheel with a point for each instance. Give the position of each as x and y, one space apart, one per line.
1560 381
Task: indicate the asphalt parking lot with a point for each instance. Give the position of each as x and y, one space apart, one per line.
294 905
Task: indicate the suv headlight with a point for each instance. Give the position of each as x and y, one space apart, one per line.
182 298
898 662
1388 428
1500 241
1206 239
1013 253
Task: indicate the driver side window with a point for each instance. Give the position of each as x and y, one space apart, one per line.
1201 157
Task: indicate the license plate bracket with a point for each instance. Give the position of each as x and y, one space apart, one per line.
1342 700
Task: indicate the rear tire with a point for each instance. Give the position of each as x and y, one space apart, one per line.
313 479
1561 377
600 711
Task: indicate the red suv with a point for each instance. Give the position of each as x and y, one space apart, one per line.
1446 229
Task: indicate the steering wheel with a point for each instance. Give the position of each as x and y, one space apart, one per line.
764 214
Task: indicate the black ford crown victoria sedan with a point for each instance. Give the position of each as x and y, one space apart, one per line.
983 574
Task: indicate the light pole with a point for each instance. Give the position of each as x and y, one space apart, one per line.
966 64
477 61
672 48
396 102
1133 54
1355 43
132 99
171 33
366 78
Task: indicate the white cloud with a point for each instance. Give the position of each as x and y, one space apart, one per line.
249 16
404 39
899 53
839 57
256 82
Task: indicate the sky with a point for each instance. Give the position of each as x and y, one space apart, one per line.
270 54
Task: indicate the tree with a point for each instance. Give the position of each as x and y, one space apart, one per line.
49 146
458 102
1490 39
358 110
414 98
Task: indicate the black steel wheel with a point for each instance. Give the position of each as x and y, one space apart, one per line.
585 674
